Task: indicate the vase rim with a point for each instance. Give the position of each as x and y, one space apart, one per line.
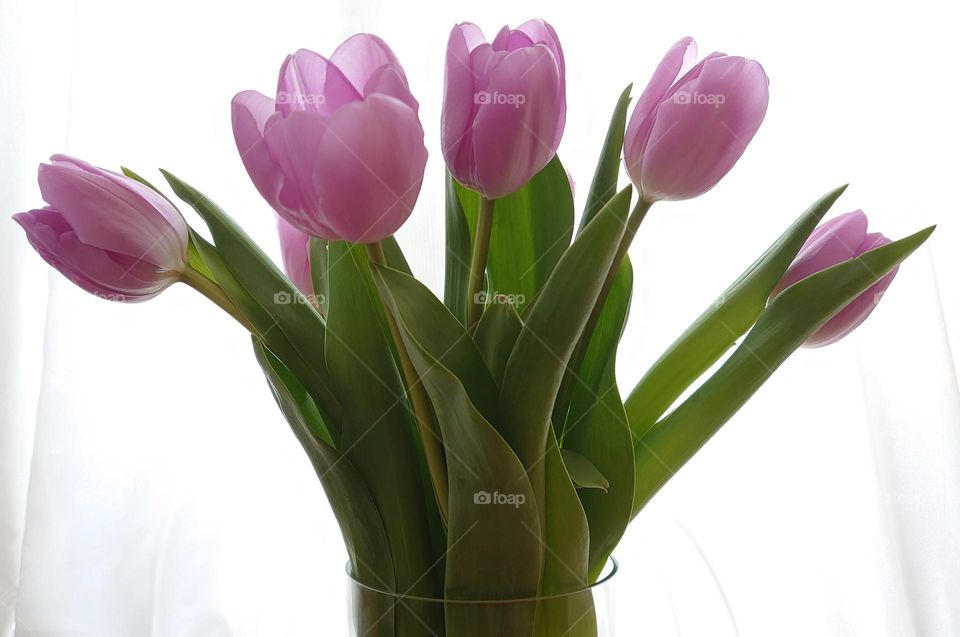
610 569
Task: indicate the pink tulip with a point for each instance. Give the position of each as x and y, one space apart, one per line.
295 248
504 105
109 234
339 153
685 135
840 239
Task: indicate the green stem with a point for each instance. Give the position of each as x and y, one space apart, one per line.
432 446
565 392
209 288
478 261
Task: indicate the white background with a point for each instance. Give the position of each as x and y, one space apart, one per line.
149 487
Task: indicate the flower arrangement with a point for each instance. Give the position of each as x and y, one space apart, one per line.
476 448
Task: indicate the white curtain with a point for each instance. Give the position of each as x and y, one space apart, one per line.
149 487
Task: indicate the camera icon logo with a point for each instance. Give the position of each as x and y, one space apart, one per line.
482 97
482 497
282 298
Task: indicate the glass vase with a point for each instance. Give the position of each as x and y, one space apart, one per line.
585 613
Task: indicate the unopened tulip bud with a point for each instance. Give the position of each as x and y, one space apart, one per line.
109 234
835 241
685 134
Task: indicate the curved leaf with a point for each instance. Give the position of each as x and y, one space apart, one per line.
441 335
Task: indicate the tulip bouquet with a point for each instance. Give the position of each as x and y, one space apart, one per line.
476 450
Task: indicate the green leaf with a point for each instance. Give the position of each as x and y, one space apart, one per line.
438 331
394 255
566 537
132 175
604 184
533 374
531 230
551 329
283 317
356 512
719 327
457 258
195 258
497 333
584 473
596 426
378 434
494 549
788 321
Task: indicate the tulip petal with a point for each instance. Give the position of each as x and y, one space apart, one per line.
458 94
368 168
113 216
250 111
701 132
389 80
857 311
139 193
830 243
295 248
292 142
98 271
670 68
360 56
540 32
508 40
515 133
310 82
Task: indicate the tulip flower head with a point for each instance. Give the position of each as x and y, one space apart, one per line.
835 241
339 153
504 105
685 134
107 233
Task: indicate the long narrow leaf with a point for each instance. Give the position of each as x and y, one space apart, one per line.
604 184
